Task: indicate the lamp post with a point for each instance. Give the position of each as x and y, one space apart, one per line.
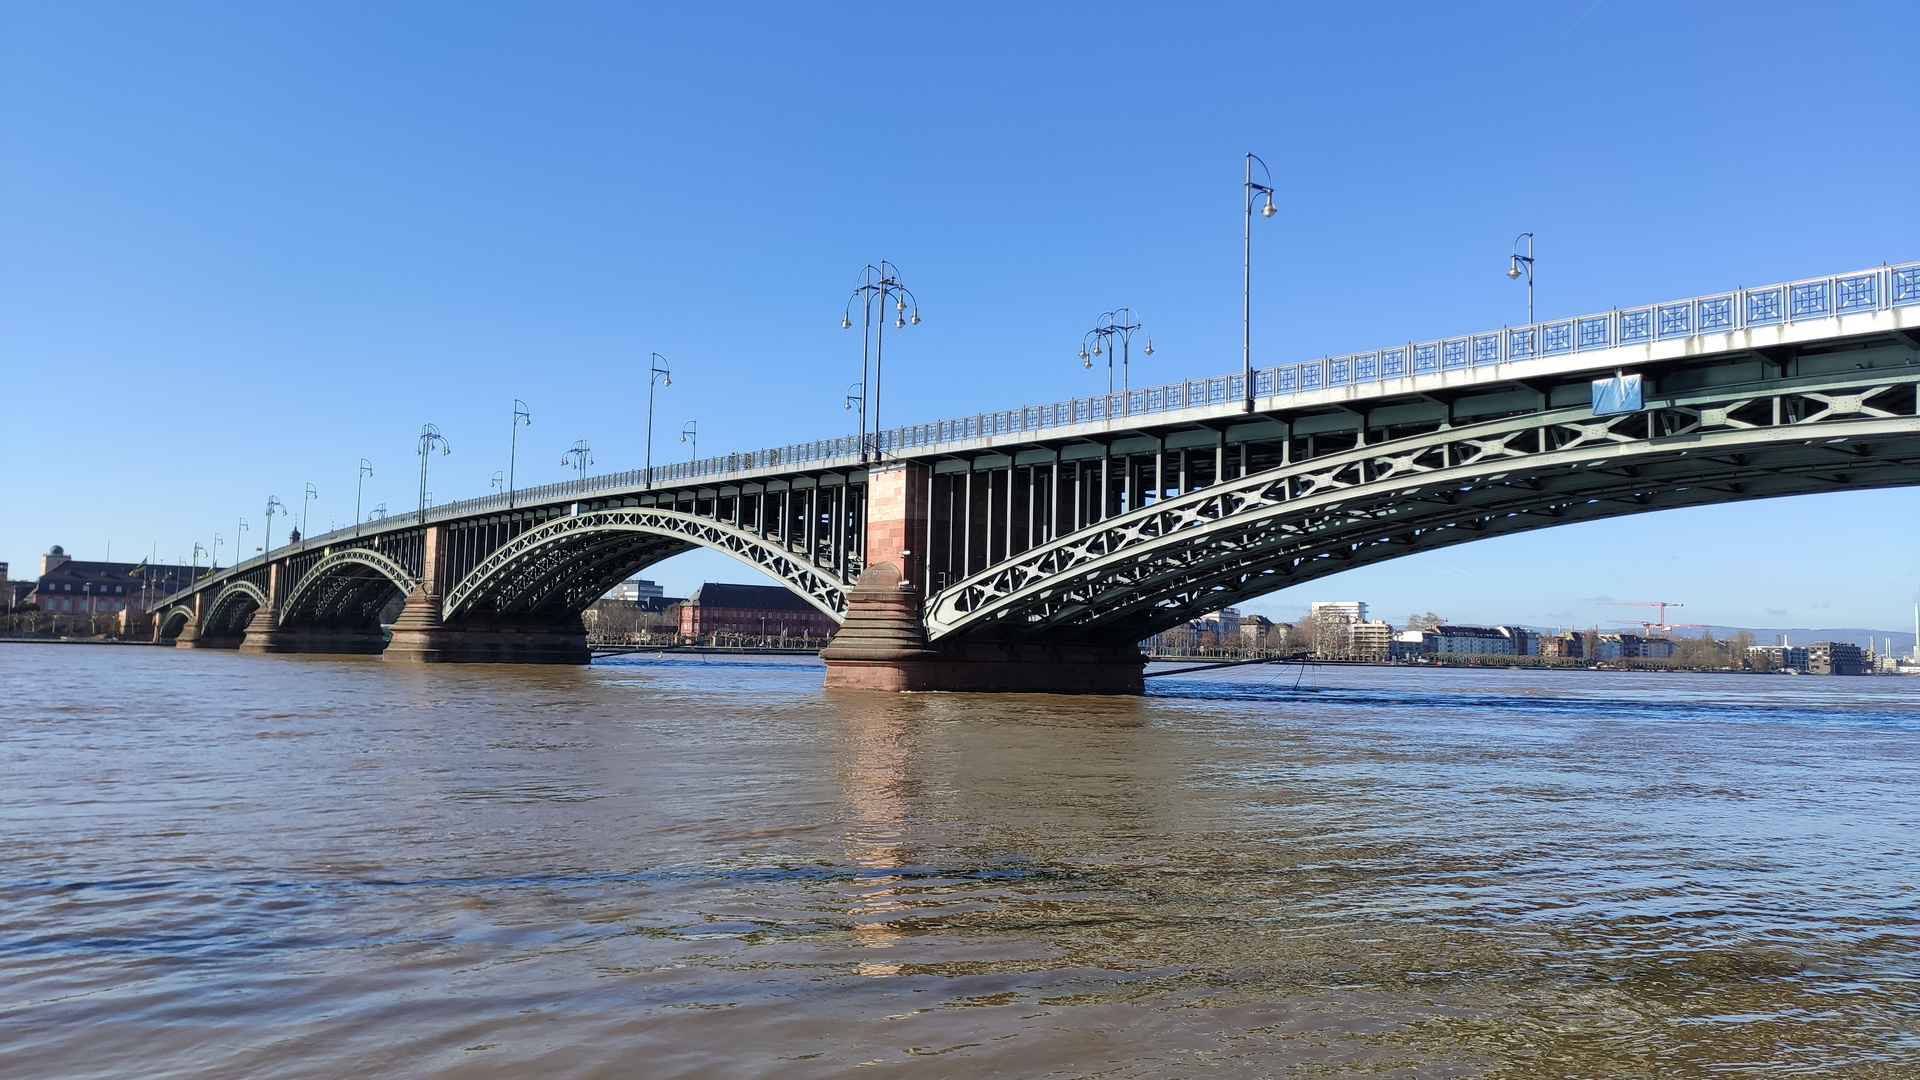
312 493
1117 324
242 527
520 416
274 506
379 511
580 456
1513 268
214 558
691 434
1246 275
498 481
430 437
197 552
366 470
880 283
663 377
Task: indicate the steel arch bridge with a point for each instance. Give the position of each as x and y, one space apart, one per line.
1100 521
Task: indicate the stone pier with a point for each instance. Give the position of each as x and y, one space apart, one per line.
421 635
882 644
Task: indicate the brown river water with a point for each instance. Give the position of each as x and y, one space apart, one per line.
232 866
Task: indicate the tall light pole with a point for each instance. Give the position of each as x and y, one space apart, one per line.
662 376
520 416
1119 324
238 558
580 456
312 493
430 437
1246 275
274 506
498 481
197 552
379 511
881 283
691 434
1513 268
366 470
215 554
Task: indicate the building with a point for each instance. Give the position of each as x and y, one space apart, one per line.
1835 658
1225 622
1255 630
1453 640
1411 644
68 586
1565 646
1787 657
756 611
1352 611
1370 639
636 590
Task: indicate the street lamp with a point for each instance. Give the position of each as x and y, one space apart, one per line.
274 506
379 511
691 434
1246 275
366 470
312 493
237 560
664 377
215 559
1117 324
880 283
498 481
520 416
580 456
430 437
197 552
1513 268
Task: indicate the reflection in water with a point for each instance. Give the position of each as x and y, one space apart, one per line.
302 867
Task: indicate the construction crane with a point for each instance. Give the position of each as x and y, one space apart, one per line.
1662 625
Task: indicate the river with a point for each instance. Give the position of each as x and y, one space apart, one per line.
234 866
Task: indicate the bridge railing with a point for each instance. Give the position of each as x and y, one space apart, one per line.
1879 289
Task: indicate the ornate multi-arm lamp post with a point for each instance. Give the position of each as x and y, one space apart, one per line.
366 470
1117 325
579 456
238 556
430 437
663 377
215 553
1513 268
520 416
1246 275
881 283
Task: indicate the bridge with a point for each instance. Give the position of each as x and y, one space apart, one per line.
1032 548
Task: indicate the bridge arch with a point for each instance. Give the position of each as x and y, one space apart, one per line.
233 607
347 586
1153 568
174 620
561 567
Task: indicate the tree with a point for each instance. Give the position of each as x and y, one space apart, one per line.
1422 622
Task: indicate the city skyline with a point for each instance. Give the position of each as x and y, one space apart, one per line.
326 248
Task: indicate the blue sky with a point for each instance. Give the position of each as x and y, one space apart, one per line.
243 246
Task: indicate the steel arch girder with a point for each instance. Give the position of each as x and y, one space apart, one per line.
238 587
320 587
505 567
1167 562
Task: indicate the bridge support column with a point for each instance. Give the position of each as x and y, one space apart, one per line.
421 635
191 636
263 630
882 645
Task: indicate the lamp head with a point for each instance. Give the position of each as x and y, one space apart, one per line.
1089 363
916 317
845 323
1083 352
1096 348
668 381
1513 271
1149 344
899 305
1267 210
899 322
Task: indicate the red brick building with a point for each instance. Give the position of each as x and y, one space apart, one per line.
755 611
